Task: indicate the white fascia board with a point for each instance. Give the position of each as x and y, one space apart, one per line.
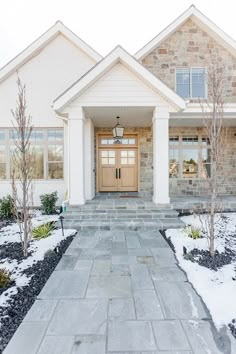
197 108
201 20
41 42
118 55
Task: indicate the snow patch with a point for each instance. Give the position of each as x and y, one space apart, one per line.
38 247
217 288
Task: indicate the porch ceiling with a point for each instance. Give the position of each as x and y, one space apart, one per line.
129 116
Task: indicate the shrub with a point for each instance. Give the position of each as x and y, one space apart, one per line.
49 253
193 231
43 231
6 207
48 202
5 278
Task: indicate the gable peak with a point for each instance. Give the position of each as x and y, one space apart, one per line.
201 20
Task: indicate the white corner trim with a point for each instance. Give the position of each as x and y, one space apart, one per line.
41 42
201 20
117 55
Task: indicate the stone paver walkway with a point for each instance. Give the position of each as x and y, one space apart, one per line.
118 292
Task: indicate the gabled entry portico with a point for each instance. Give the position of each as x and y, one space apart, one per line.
118 85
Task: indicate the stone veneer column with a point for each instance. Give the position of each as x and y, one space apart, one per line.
161 155
76 156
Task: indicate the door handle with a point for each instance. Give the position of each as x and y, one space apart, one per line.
116 173
119 173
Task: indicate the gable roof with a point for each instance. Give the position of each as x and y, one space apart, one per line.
201 20
118 55
41 42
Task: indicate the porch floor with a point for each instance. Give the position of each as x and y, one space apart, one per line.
181 203
118 292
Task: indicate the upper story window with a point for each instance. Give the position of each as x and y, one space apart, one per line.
191 82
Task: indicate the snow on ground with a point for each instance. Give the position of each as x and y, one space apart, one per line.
37 247
217 288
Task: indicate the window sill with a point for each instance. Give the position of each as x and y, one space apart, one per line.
43 181
189 179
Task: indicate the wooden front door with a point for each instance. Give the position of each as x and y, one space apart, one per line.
117 169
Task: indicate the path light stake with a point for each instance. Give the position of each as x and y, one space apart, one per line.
57 250
62 226
184 250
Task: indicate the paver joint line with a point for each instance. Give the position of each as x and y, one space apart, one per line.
118 291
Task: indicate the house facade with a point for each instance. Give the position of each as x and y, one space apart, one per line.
74 96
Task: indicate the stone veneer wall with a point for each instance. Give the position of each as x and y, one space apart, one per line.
227 174
184 186
145 157
190 46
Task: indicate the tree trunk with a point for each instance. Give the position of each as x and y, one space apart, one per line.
213 207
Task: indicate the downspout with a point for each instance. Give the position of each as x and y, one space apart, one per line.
67 195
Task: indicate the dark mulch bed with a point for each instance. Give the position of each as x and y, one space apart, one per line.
12 251
232 327
5 222
168 239
20 303
203 258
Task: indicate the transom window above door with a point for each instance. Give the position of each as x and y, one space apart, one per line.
191 83
127 140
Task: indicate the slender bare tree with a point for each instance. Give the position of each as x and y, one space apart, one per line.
22 158
213 121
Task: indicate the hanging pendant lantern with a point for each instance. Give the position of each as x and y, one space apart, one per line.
118 132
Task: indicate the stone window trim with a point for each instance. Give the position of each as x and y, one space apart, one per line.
191 68
42 141
176 144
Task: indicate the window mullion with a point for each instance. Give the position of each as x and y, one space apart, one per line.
45 156
180 147
190 79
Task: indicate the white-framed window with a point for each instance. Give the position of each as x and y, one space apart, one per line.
191 83
189 157
47 146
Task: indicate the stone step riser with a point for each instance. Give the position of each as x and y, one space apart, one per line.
119 212
121 227
116 207
120 218
125 224
122 211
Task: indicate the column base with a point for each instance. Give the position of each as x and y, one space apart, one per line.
161 201
76 202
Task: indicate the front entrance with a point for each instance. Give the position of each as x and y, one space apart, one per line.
117 165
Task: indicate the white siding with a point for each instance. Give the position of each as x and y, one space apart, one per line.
46 76
118 87
41 187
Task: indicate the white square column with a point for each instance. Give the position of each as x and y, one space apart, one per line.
89 160
161 155
76 132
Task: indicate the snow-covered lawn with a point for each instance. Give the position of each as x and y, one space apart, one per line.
217 288
38 248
